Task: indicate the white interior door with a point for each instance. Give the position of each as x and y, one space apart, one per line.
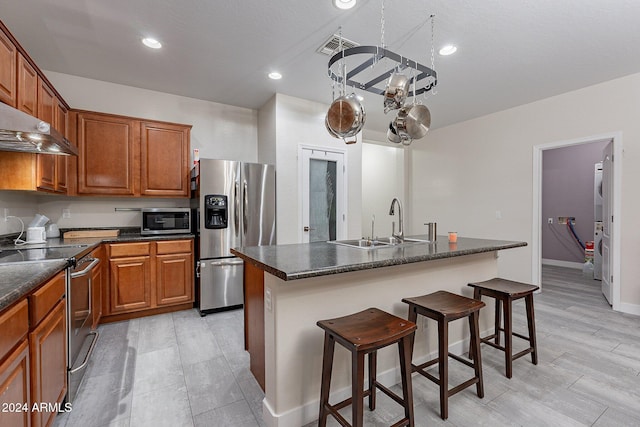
607 219
323 195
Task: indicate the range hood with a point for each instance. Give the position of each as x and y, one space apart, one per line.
22 132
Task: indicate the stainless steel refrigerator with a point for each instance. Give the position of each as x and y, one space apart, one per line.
236 207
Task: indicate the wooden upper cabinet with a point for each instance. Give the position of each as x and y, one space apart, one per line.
27 99
47 111
164 152
61 124
109 160
8 68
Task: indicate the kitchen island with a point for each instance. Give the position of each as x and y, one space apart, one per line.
288 288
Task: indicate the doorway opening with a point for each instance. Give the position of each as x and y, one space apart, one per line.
545 223
323 187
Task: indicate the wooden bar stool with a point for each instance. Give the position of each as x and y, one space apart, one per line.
444 307
365 333
505 292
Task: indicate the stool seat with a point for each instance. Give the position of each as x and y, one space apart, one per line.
371 328
445 307
364 333
505 292
505 287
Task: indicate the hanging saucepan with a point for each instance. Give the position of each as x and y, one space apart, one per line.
418 121
396 92
413 120
394 137
400 125
345 117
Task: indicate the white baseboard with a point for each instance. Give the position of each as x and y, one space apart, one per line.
307 413
559 263
630 308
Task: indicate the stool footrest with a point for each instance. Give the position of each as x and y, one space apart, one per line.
403 422
347 401
492 344
461 360
524 337
389 393
522 353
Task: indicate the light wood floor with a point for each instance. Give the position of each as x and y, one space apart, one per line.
183 370
587 373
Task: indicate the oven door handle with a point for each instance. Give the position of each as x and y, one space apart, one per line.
87 269
88 355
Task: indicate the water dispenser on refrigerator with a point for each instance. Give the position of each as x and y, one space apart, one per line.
215 211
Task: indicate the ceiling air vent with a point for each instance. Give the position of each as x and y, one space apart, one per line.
332 45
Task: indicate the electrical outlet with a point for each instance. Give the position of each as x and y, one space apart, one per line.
66 213
498 215
562 220
550 221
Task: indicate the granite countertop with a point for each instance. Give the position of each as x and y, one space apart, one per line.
300 261
20 278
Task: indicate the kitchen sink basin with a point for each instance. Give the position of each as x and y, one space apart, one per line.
383 242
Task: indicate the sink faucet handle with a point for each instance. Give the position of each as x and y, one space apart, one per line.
393 228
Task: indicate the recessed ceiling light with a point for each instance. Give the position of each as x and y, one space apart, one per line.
152 43
274 75
448 50
344 4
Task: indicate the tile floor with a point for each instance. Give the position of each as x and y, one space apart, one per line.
183 370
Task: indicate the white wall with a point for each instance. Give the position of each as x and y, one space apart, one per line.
382 180
466 172
220 131
20 204
267 130
299 121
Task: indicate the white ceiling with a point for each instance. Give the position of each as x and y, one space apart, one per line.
509 52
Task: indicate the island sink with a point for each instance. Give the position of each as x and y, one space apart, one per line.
383 242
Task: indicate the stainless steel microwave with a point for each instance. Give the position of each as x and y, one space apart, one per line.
166 221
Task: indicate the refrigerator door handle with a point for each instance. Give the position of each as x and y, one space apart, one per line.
227 263
236 217
245 202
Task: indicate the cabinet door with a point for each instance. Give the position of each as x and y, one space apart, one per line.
27 97
47 111
8 67
174 280
61 124
109 161
164 159
130 284
14 386
47 344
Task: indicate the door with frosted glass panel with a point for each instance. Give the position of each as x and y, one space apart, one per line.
323 214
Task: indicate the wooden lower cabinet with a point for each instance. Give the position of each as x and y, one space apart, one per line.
47 344
15 387
156 276
130 283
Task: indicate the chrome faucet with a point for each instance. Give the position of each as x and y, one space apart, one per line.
400 234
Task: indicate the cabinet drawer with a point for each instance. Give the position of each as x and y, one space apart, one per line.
129 249
14 324
44 299
174 247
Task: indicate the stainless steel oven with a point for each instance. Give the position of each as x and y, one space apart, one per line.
81 338
166 221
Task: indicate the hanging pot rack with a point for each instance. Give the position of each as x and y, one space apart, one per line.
376 54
